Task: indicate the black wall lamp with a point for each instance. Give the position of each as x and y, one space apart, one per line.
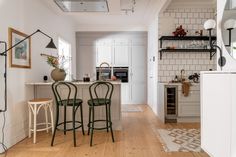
229 25
210 25
4 53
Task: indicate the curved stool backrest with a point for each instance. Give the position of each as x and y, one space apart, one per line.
69 92
101 90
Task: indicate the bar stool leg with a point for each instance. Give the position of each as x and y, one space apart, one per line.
30 120
109 110
73 123
107 118
64 120
91 139
56 124
82 120
46 115
89 120
51 114
35 122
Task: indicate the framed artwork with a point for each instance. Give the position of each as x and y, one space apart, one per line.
20 56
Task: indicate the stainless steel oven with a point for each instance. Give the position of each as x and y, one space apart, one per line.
121 73
103 73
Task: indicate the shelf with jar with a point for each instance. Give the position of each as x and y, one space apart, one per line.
186 44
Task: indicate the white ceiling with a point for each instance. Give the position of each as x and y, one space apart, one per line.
144 12
144 9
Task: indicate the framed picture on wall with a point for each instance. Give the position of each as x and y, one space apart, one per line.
20 56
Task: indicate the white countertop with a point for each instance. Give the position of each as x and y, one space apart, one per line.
218 72
178 84
76 83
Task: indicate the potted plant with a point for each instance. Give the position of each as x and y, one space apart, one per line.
58 73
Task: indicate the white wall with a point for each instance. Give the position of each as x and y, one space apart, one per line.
230 62
28 16
152 64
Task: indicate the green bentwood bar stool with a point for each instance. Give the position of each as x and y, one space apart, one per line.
66 96
100 95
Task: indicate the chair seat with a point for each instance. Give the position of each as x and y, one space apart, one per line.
71 101
98 102
40 100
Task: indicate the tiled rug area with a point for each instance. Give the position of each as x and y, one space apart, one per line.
131 108
180 140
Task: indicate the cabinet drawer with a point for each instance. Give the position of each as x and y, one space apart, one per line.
188 109
194 96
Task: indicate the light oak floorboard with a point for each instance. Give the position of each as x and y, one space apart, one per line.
137 139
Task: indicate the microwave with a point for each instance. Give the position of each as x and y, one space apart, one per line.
121 73
104 73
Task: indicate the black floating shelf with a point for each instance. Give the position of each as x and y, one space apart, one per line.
211 51
187 38
187 50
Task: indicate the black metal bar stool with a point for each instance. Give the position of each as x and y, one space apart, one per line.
66 96
100 95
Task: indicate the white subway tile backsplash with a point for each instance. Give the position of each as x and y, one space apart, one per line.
178 14
189 61
190 15
172 61
183 61
172 14
166 73
187 10
201 62
181 10
184 15
207 15
196 15
175 55
181 21
175 67
186 67
169 67
192 20
202 15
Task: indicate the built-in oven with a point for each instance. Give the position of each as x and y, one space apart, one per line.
121 73
103 73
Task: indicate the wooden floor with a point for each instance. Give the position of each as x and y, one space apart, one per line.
137 139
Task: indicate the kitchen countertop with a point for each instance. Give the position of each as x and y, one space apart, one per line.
76 83
170 83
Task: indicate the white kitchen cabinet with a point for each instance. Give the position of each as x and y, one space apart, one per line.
104 52
124 50
138 54
138 74
121 53
189 106
218 110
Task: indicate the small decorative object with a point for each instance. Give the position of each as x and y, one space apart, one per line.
86 78
57 74
20 55
194 77
180 32
45 78
200 32
113 78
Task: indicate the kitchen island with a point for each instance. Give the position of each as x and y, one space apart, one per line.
43 90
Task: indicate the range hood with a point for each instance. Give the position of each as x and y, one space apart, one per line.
83 5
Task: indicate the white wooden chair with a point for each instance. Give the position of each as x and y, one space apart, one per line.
34 106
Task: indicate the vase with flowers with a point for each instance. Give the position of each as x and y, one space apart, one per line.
58 73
